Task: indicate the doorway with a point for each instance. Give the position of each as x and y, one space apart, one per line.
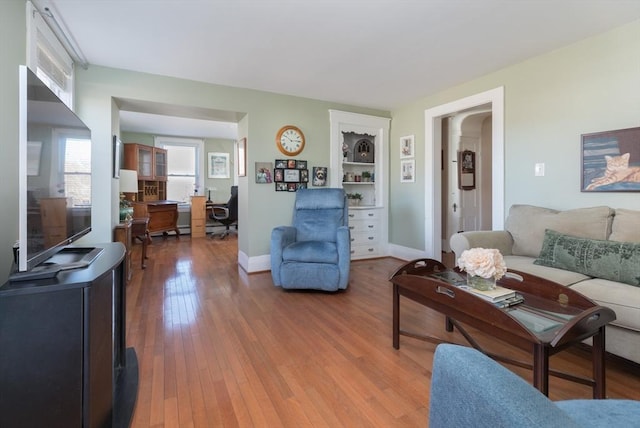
491 101
466 172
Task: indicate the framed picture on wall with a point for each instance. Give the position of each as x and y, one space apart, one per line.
407 171
218 165
611 161
407 148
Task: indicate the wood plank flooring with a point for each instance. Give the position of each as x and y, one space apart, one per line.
218 347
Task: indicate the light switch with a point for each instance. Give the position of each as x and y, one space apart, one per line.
539 170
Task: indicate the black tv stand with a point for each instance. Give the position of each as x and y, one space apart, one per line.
63 348
65 259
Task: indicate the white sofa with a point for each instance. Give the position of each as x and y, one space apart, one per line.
522 242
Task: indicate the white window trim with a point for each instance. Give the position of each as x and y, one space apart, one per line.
161 142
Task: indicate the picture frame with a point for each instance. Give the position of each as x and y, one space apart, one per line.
301 164
291 175
408 171
117 147
610 161
281 163
466 170
263 172
407 147
218 165
242 157
319 176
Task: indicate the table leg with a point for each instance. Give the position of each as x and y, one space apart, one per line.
598 356
396 317
541 368
448 325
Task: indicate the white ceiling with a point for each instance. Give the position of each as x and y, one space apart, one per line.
375 53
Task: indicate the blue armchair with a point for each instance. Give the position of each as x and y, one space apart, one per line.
469 389
315 252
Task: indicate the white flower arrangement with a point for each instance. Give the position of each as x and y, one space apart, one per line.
483 262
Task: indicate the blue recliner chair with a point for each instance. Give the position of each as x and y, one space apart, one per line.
469 389
313 253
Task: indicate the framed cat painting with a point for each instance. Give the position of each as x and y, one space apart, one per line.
611 161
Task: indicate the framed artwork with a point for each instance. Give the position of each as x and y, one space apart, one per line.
289 175
407 171
242 157
218 165
264 172
407 148
611 161
319 176
117 147
466 170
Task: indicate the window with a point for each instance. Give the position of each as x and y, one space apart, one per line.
184 167
77 171
48 58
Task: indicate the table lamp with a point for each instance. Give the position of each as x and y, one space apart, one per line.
128 184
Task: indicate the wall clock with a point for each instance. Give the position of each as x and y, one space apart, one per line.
290 140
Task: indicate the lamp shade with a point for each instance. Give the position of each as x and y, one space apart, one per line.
128 181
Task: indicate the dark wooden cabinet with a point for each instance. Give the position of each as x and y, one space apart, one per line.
62 348
151 165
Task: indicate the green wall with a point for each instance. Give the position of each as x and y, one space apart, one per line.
550 101
13 37
263 114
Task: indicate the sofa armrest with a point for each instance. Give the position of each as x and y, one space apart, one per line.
498 239
469 389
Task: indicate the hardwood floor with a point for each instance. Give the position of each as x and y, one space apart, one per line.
220 348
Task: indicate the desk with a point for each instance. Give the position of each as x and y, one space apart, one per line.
163 215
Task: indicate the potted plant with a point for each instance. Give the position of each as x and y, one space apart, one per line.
366 176
354 199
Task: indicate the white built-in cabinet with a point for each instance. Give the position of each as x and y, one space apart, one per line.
359 145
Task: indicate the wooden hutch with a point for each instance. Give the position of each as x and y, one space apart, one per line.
151 200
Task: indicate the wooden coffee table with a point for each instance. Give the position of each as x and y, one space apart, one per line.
551 318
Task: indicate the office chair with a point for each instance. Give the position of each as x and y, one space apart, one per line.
226 214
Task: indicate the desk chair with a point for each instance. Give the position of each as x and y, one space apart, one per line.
227 214
140 231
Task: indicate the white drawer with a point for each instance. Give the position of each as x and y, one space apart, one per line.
364 226
363 238
363 251
364 215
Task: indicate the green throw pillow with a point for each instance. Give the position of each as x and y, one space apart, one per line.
615 261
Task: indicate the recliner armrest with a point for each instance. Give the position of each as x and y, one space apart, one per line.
498 239
469 389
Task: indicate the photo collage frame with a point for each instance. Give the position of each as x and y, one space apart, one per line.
289 175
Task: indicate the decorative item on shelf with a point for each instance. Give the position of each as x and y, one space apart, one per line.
358 178
349 177
128 184
366 176
354 199
484 266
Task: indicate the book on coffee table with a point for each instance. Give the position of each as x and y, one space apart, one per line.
498 294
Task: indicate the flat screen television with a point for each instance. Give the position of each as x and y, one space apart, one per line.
54 178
